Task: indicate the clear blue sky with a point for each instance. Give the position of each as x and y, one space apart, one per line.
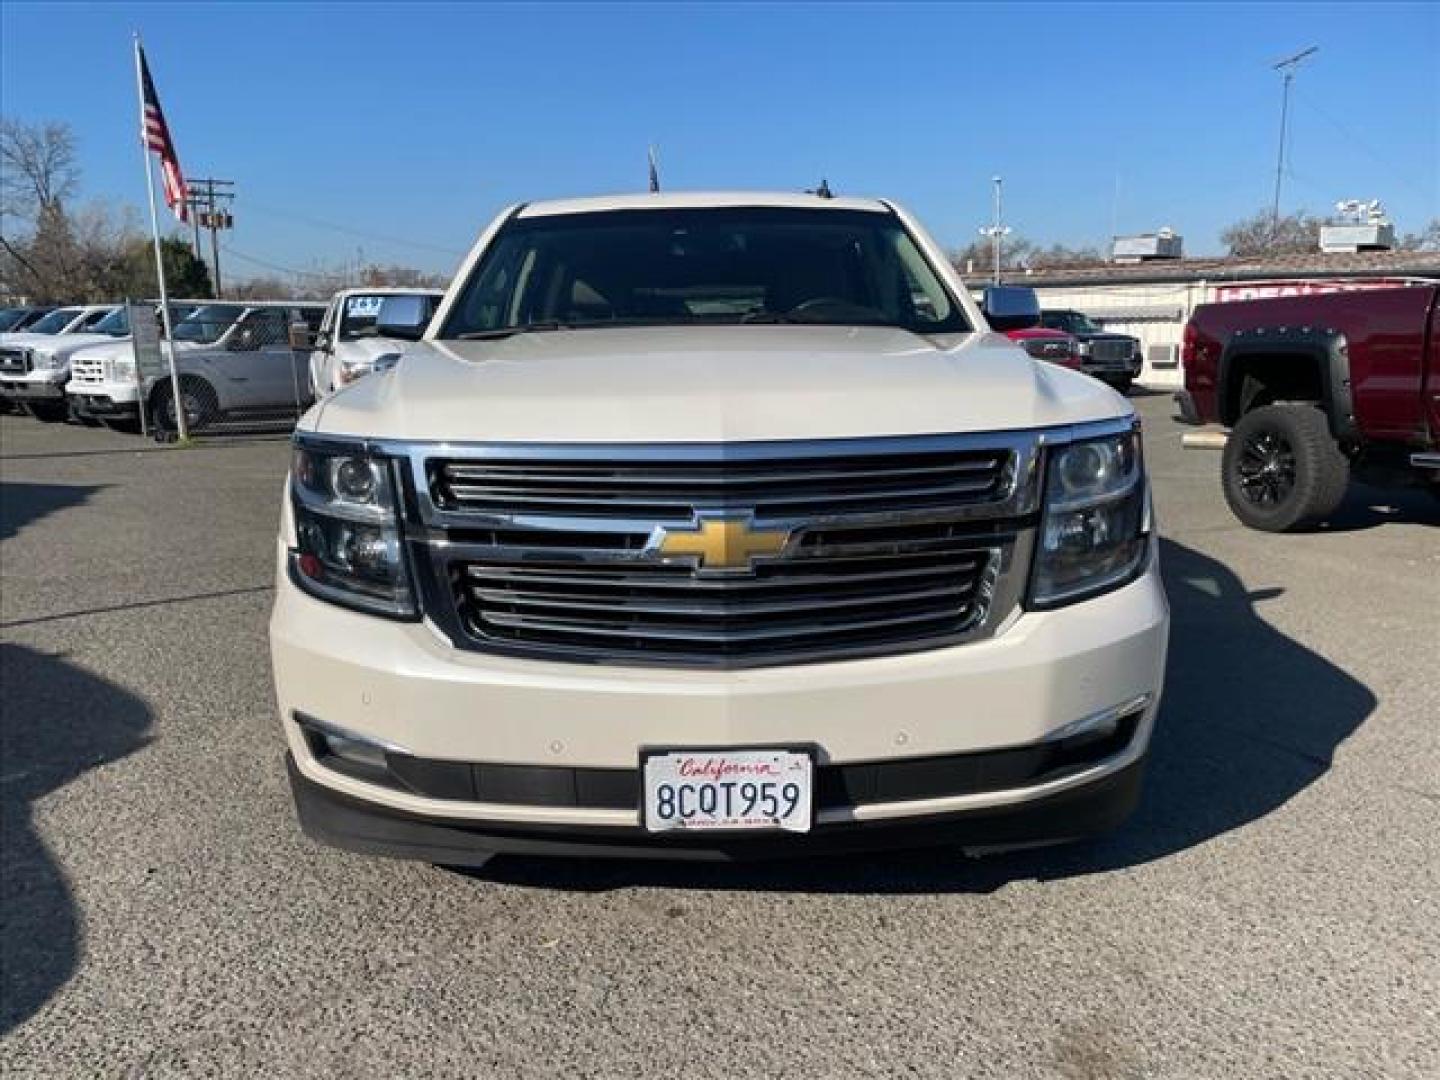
413 124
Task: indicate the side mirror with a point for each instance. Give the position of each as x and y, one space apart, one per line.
403 318
1011 307
302 338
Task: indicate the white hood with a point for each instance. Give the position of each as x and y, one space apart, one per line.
67 345
713 384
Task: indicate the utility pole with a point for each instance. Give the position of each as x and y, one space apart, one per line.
206 198
1286 68
997 231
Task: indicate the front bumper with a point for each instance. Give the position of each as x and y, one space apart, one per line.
357 825
38 387
104 399
400 684
1128 369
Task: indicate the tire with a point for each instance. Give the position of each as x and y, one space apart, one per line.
197 396
1121 385
1282 469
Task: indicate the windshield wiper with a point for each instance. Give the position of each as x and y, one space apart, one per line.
511 331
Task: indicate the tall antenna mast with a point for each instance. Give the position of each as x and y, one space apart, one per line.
1286 68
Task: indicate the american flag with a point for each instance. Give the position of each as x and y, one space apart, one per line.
156 134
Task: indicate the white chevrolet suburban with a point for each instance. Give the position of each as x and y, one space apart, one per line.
688 531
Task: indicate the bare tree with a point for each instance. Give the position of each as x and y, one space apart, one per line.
1427 239
1020 253
37 167
1261 234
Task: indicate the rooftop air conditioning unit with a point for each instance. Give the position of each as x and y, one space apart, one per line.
1147 247
1350 238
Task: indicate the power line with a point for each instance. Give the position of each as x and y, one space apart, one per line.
276 267
1396 173
363 234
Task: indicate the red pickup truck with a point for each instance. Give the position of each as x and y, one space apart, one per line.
1314 388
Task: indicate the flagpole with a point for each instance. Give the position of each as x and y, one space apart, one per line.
169 342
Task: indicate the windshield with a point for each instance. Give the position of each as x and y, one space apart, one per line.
207 323
10 317
55 321
361 311
1072 321
116 323
704 266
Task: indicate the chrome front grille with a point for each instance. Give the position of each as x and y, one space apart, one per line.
891 545
1111 351
836 596
87 372
14 361
676 490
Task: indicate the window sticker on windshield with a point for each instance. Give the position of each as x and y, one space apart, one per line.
363 306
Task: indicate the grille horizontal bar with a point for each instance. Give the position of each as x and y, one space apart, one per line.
659 611
676 490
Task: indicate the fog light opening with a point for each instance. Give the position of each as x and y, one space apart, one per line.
1098 726
345 752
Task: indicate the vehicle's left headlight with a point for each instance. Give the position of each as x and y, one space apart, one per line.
348 548
1095 528
44 361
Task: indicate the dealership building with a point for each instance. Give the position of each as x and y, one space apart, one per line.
1149 289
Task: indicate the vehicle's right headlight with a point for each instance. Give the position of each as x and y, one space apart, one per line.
1095 528
347 527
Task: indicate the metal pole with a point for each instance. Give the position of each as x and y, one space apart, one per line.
1280 154
180 427
215 239
995 232
1286 68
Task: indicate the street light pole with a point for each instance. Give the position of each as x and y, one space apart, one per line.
997 231
1286 68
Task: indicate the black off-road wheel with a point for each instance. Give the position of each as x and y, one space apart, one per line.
196 396
1282 469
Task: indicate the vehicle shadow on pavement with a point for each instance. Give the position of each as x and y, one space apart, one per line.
57 722
1368 507
21 504
1250 719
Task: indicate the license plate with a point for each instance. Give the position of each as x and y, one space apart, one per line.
728 789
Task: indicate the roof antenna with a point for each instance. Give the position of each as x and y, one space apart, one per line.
823 191
654 172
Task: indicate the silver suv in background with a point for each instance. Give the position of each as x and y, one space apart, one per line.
233 358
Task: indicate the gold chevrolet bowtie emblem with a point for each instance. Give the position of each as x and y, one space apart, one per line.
722 543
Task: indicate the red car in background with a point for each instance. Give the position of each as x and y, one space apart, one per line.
1042 343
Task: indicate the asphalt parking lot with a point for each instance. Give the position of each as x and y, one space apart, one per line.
1273 910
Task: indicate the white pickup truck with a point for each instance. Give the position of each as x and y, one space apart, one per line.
349 345
35 363
232 357
687 530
